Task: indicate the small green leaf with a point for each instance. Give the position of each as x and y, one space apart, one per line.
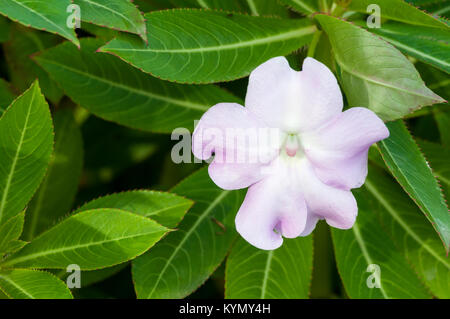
182 261
115 91
14 246
167 209
116 14
373 73
92 239
408 165
195 46
368 261
398 10
32 284
411 232
26 141
49 15
10 231
55 196
284 273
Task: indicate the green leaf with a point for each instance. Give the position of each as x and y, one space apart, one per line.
167 209
284 273
195 46
10 231
92 239
14 246
26 141
182 261
23 45
6 95
408 165
429 45
411 232
32 284
303 6
55 196
366 252
398 10
115 91
116 14
373 73
49 15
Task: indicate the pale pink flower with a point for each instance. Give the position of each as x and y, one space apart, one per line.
303 175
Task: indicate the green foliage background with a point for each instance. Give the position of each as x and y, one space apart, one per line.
86 175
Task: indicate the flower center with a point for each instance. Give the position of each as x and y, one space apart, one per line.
292 145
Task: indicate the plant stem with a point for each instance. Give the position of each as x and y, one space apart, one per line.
314 42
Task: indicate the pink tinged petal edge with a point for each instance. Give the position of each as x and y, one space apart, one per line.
291 100
339 149
338 207
210 137
273 207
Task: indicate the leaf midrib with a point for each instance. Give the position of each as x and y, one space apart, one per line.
411 49
266 274
359 239
112 11
206 212
43 17
49 252
11 282
231 46
399 220
166 99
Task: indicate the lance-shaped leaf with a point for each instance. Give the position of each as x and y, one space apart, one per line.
182 261
32 284
398 10
374 74
410 168
283 273
165 208
26 141
92 239
10 231
115 91
427 44
369 263
6 95
411 232
195 46
49 15
116 14
55 196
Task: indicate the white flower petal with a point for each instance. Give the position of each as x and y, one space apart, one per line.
293 101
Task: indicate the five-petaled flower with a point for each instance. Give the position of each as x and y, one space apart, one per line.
303 174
